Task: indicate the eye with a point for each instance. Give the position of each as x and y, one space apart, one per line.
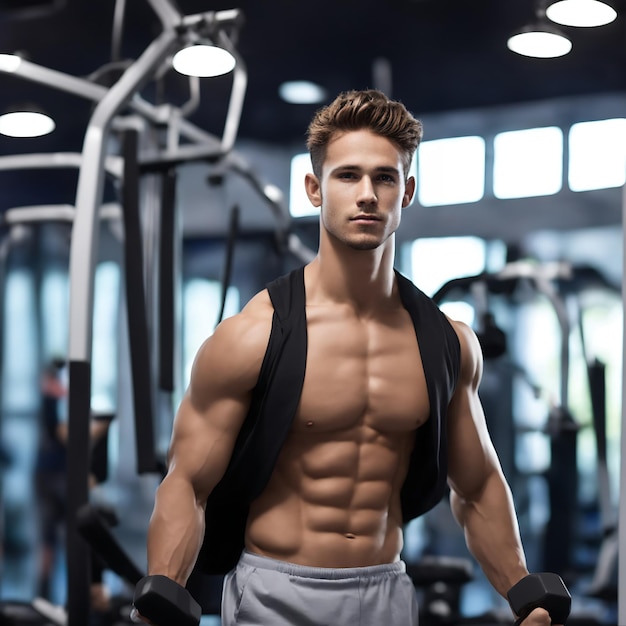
346 175
387 178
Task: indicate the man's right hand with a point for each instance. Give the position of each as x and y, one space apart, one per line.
538 617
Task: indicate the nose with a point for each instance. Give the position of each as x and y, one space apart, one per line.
366 192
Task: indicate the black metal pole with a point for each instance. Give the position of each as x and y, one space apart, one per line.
136 309
167 280
78 462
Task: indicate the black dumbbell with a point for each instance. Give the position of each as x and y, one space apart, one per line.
543 590
166 603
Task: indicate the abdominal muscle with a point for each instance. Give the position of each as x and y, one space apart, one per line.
335 504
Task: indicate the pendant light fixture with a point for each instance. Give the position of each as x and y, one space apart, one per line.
9 62
203 60
581 13
26 120
539 39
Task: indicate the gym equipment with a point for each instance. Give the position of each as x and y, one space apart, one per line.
158 598
136 309
123 97
228 261
165 602
545 590
554 281
562 477
604 582
93 523
439 580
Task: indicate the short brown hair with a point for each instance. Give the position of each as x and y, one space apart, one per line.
369 109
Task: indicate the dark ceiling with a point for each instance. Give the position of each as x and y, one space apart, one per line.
443 54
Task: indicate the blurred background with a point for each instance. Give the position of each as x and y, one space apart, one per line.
516 229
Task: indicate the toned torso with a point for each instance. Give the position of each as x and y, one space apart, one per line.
334 497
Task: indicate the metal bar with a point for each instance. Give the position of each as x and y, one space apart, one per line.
40 213
169 16
223 18
91 91
231 243
168 236
93 527
58 80
56 160
237 95
299 249
55 213
77 474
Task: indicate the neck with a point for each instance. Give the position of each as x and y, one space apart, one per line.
364 279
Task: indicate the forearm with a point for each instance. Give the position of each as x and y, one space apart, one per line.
491 532
176 530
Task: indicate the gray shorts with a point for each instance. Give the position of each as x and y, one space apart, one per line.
265 592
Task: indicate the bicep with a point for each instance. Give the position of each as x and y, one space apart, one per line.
472 457
203 440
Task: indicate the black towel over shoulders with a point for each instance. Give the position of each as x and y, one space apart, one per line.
275 401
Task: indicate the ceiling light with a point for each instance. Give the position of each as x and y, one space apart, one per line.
26 121
301 92
540 40
203 60
584 13
9 62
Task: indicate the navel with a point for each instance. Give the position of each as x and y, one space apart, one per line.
350 536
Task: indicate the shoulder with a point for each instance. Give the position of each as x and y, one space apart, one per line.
234 352
471 353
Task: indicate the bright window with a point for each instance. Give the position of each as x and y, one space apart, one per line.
202 300
20 376
299 205
435 261
104 364
597 155
528 163
55 306
451 171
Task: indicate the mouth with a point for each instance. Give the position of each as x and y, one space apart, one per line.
365 217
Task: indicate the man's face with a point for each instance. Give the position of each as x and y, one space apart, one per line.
362 189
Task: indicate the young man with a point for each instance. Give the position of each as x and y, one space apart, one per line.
388 379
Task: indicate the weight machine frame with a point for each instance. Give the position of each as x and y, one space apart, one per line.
93 163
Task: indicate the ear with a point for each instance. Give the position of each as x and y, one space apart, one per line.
408 192
313 189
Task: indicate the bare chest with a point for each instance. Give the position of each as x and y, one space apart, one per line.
363 373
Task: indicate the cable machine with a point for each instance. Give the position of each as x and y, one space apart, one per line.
120 108
555 281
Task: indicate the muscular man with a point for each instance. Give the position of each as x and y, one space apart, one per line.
323 539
